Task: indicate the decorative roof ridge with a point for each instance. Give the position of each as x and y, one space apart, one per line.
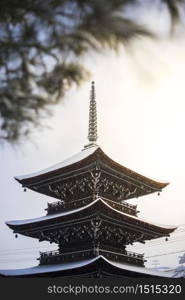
90 145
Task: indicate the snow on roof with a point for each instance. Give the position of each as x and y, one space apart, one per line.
139 269
139 219
71 160
53 216
28 221
46 268
75 265
179 272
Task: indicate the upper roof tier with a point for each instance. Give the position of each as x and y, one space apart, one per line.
90 172
67 162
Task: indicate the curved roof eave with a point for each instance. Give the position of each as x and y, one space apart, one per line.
82 264
56 170
69 161
14 224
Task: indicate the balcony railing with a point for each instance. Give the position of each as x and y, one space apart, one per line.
54 257
61 206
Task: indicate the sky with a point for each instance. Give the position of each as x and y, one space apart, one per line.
140 95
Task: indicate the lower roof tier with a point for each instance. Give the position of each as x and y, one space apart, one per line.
74 222
88 268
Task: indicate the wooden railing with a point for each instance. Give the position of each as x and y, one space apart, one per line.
54 257
61 206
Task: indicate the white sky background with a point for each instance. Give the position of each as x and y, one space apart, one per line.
141 124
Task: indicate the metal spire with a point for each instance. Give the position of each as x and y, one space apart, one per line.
92 132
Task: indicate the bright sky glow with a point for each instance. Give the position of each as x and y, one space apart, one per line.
141 124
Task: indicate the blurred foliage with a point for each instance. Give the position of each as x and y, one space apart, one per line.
40 45
175 8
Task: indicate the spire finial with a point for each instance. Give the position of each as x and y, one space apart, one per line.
92 133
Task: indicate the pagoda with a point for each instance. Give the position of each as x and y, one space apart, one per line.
91 222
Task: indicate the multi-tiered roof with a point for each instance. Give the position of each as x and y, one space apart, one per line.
92 220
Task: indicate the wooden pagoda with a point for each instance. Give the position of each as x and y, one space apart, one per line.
91 222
